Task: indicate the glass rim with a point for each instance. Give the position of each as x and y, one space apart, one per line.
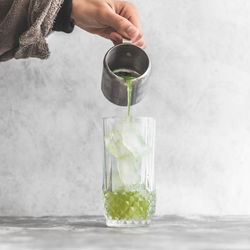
124 117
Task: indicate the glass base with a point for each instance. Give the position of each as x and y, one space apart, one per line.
127 223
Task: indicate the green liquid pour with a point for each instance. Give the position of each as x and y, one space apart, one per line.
128 80
128 76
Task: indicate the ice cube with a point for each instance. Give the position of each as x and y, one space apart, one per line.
129 170
126 143
132 137
114 144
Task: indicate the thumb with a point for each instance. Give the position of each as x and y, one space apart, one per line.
122 25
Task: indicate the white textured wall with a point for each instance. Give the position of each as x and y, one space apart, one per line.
50 115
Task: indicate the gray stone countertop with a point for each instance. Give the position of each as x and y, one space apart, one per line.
90 232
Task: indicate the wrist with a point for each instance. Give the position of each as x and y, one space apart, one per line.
73 12
63 20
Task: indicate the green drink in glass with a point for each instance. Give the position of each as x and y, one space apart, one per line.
128 176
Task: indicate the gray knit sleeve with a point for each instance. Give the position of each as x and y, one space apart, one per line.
25 26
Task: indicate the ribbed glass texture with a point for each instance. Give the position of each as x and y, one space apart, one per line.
128 172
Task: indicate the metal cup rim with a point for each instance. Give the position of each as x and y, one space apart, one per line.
145 74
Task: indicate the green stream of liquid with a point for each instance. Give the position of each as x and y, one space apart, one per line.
128 80
128 76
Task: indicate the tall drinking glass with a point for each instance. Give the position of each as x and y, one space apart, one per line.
128 174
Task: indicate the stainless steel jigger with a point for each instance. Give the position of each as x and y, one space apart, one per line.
130 58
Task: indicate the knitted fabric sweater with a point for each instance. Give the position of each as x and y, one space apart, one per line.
24 25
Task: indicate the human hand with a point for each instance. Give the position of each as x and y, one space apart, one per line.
112 19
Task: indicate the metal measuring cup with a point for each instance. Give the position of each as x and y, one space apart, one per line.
127 57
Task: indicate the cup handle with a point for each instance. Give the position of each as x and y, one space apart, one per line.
125 41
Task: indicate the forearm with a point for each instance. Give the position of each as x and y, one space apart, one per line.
24 24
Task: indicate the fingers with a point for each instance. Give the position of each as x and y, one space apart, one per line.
107 33
122 25
141 43
124 20
125 29
116 37
129 11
